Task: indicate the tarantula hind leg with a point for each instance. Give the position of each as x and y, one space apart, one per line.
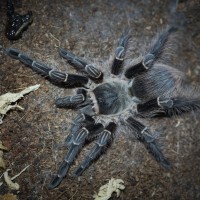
156 51
104 138
120 51
144 136
168 106
81 64
77 141
41 68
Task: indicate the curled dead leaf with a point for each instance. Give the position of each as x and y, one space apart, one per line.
7 100
10 183
8 196
105 191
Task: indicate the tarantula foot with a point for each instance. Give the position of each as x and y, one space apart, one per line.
55 182
72 59
13 53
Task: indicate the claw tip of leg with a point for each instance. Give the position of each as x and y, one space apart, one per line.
167 165
55 182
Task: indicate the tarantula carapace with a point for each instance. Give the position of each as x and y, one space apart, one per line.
127 93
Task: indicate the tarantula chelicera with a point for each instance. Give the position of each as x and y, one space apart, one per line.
127 93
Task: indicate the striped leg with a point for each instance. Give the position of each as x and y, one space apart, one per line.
76 142
81 64
80 121
73 102
54 75
155 52
120 53
168 106
145 136
104 138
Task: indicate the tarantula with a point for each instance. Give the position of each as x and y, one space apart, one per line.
131 91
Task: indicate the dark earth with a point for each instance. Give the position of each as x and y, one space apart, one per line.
90 29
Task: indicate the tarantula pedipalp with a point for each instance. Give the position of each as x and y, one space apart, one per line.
145 90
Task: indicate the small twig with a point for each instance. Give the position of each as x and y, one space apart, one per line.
56 27
73 195
178 123
14 177
55 39
22 117
58 197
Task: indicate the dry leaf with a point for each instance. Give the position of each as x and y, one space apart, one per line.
9 180
10 183
105 191
2 147
2 162
8 197
6 100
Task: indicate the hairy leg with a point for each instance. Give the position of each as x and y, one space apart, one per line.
144 136
104 138
77 140
155 52
81 64
54 75
120 51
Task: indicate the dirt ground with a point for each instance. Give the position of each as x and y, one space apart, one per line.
90 29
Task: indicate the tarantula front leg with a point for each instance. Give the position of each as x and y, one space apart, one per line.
144 136
81 64
155 52
59 77
120 51
168 106
104 138
76 143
